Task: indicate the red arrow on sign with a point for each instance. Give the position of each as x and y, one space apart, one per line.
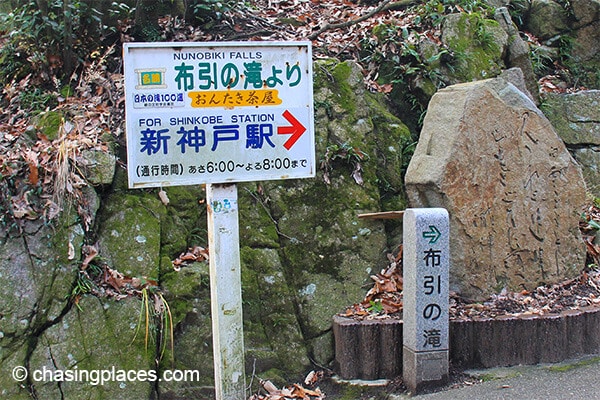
296 129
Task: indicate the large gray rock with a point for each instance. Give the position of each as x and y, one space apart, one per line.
37 269
98 335
547 18
585 12
576 116
513 191
517 54
589 159
587 46
130 236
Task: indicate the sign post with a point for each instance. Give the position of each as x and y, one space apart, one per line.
218 112
215 114
226 291
426 260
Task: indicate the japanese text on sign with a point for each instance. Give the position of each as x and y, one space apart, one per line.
218 112
426 279
431 284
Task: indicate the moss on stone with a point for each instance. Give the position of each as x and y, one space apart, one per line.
341 74
130 234
49 124
477 43
257 227
13 357
269 307
193 351
97 338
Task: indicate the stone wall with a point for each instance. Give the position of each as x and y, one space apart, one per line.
576 118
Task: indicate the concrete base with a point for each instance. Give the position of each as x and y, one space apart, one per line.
422 370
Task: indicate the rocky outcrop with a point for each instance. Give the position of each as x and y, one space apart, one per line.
573 29
512 190
576 118
305 256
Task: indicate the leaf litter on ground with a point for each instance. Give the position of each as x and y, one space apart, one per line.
384 299
294 391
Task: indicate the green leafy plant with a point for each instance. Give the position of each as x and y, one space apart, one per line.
155 317
518 10
541 60
346 153
394 54
433 11
593 224
375 307
210 11
84 283
53 40
483 35
36 100
573 73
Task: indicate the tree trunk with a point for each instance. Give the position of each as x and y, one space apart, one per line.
67 55
43 6
146 26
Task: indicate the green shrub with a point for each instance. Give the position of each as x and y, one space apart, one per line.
51 41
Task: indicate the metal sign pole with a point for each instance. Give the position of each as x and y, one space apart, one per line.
226 291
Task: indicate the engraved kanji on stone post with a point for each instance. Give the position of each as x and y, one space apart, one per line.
426 264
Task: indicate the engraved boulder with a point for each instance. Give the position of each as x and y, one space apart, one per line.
513 192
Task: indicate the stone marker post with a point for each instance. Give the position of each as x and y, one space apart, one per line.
426 261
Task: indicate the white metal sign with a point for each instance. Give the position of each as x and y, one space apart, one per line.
218 112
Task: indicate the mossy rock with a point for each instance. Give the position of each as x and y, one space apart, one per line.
187 293
99 166
49 124
322 348
547 18
187 290
130 234
38 275
268 303
97 335
192 351
324 295
574 116
184 223
478 45
257 227
12 357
